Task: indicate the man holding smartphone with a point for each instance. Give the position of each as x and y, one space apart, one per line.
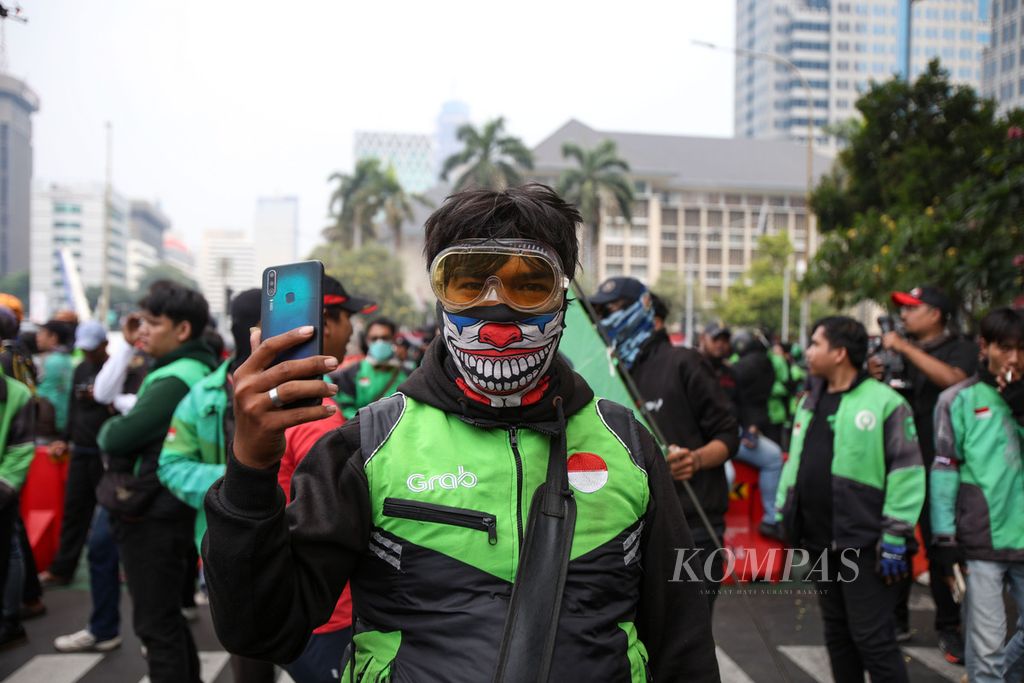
426 500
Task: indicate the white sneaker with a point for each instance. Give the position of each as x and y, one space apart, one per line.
84 641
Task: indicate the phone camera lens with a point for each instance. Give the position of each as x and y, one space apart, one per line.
271 283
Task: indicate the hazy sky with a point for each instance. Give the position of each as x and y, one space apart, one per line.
216 103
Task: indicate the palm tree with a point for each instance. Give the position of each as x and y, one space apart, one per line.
600 177
350 205
395 204
491 158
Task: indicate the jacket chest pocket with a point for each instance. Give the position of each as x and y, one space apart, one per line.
443 514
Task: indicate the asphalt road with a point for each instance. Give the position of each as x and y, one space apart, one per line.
783 643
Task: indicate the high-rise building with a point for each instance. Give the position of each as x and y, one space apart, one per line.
701 204
275 233
1004 58
227 265
410 154
73 216
148 224
145 241
839 48
17 104
454 114
177 254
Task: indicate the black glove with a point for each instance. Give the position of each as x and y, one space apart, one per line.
944 553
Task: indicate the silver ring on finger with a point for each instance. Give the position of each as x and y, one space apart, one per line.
275 399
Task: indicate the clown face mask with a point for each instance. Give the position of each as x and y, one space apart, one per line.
503 364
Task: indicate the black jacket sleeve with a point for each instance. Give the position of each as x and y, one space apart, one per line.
275 574
673 622
711 405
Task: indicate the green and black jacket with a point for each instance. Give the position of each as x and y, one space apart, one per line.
977 478
17 435
878 479
424 510
133 441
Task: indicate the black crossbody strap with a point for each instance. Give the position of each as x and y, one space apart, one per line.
532 621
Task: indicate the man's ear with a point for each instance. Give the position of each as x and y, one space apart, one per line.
183 331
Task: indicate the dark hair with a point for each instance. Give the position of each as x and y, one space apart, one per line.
659 305
179 303
531 211
1003 326
64 331
845 333
386 322
380 320
213 339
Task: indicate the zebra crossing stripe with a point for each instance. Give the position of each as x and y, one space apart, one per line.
931 658
729 670
54 668
812 660
210 665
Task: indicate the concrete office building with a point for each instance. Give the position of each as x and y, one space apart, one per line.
701 204
839 48
1004 58
73 216
177 254
17 104
411 156
227 261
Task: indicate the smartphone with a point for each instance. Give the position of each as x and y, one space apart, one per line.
292 296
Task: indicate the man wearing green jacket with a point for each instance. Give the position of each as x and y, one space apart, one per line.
17 439
152 527
977 492
376 376
850 495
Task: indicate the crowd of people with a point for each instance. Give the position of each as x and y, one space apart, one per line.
448 509
145 427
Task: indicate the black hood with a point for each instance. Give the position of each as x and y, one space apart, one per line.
433 383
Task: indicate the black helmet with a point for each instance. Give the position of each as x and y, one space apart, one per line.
746 341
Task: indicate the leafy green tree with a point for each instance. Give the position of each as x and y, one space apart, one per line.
161 271
489 157
600 178
351 206
369 196
756 300
927 191
16 284
394 204
120 297
371 272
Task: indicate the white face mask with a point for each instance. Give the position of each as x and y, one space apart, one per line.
503 364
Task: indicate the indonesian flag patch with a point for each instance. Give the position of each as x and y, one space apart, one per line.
983 413
172 434
587 472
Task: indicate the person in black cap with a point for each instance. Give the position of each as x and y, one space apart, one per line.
685 399
935 359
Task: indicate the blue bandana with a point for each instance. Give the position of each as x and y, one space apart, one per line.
629 327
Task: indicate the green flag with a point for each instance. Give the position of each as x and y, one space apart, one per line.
583 344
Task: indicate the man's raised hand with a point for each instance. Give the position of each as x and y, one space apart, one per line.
259 424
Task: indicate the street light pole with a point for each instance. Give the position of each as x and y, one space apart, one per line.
757 54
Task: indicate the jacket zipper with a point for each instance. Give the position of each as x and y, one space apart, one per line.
442 514
514 441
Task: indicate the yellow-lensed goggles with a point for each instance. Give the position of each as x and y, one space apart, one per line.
524 274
